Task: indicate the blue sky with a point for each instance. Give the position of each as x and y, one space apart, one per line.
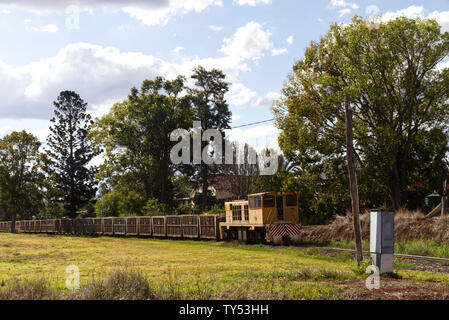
120 43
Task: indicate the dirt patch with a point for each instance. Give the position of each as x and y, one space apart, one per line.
408 226
391 289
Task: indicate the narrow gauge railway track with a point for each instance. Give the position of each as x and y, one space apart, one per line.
366 253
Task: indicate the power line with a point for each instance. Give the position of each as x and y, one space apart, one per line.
253 123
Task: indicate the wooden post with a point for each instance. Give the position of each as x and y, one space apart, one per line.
444 199
353 181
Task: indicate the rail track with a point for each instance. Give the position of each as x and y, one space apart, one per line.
366 253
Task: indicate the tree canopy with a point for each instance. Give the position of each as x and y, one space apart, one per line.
399 94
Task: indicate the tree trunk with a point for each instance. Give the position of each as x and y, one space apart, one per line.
396 190
444 199
164 181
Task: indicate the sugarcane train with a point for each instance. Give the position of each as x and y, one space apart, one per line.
271 217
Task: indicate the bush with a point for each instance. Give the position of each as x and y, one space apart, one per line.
155 208
217 209
183 209
108 205
121 285
34 289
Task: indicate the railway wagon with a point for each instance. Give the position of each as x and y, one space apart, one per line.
269 216
19 226
108 226
209 226
132 226
98 226
190 226
174 226
145 226
119 226
25 226
5 226
29 226
186 226
66 226
78 226
50 226
159 226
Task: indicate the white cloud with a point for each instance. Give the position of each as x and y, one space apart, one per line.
259 137
290 40
267 100
251 2
345 7
4 11
443 65
40 128
248 42
410 12
52 28
442 17
235 117
215 28
278 51
101 75
178 49
343 12
150 12
343 4
239 95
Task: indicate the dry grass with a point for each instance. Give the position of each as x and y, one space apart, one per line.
127 268
341 227
33 267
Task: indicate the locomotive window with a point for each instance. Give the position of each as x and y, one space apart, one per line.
291 200
268 201
254 202
246 213
237 213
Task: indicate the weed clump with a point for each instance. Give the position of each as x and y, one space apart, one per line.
120 285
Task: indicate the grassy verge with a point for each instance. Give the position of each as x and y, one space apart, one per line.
34 267
428 248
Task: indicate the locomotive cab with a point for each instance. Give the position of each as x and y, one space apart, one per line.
262 216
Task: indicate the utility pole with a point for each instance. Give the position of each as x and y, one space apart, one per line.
444 199
353 181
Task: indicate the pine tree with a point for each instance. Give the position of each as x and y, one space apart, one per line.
70 151
213 111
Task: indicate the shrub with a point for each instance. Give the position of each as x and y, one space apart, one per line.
121 285
116 203
155 208
108 205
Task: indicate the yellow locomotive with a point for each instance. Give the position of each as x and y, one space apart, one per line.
270 216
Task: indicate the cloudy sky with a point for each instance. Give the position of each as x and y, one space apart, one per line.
101 49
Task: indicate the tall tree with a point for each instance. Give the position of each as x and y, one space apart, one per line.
136 136
20 161
71 152
213 111
242 173
399 90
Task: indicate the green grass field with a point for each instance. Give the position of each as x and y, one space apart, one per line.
33 267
